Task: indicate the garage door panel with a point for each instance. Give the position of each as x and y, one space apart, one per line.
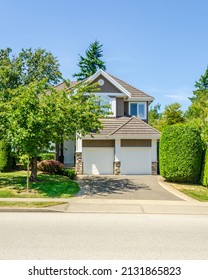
135 160
98 161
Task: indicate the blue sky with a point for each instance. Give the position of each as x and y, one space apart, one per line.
158 46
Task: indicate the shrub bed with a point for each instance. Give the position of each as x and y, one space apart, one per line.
55 167
50 166
181 154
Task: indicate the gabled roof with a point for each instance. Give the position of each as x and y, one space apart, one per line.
126 127
131 92
135 93
63 85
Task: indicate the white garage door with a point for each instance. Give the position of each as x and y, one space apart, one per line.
98 160
136 160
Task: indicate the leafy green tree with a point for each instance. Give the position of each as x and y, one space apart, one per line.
32 113
29 66
91 62
5 157
154 114
171 115
32 121
197 113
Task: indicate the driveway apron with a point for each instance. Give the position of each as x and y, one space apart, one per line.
138 187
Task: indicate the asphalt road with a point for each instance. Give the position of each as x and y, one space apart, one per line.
103 236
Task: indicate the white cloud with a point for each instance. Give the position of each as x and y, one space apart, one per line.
166 96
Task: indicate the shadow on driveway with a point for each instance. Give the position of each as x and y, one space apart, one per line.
144 187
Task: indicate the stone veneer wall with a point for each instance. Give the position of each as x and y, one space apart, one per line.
79 167
117 167
154 167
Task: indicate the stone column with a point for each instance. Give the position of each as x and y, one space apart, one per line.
79 167
117 167
154 167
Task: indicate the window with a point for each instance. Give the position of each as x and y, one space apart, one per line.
138 110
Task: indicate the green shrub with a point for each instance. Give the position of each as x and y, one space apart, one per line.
204 173
6 160
50 166
69 173
180 154
46 156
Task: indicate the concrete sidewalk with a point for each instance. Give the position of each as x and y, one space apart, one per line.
133 206
80 205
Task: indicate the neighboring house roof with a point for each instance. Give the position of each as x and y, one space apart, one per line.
63 85
126 127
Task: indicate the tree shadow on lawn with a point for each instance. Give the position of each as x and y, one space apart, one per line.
46 186
104 185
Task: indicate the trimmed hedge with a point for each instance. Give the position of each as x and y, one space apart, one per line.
204 173
69 173
181 154
5 157
46 156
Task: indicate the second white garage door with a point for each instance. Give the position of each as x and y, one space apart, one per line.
98 160
136 160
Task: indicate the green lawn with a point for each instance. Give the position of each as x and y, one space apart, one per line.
198 192
13 204
13 184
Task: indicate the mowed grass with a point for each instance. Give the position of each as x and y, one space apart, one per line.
198 192
13 204
13 184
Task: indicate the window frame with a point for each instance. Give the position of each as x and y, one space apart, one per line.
139 103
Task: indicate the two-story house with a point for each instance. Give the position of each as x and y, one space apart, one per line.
126 144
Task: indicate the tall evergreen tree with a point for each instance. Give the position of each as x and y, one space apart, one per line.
91 62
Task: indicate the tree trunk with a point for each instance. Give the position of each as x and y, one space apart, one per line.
33 176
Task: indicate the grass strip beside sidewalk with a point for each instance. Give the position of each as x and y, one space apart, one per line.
18 204
197 192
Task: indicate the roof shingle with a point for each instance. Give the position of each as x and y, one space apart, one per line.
126 126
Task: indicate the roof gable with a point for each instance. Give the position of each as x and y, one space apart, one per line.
127 89
134 126
107 87
110 79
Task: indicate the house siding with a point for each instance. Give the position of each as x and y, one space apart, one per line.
136 143
98 143
119 107
126 108
107 87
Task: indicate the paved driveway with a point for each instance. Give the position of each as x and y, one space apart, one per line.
141 187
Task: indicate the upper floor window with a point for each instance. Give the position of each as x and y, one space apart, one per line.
106 100
138 109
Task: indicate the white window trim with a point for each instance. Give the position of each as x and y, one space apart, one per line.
145 109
